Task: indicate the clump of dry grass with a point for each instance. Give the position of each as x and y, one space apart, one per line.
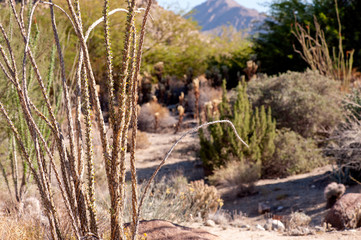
298 224
24 229
222 218
238 175
177 200
142 140
154 116
22 220
298 219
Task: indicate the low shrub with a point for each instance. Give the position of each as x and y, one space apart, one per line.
14 229
345 148
239 175
298 224
142 140
177 200
154 117
306 102
293 155
353 104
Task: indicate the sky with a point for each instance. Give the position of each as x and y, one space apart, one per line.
186 5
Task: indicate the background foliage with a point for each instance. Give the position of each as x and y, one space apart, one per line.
274 45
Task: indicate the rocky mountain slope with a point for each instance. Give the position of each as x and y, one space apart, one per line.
212 15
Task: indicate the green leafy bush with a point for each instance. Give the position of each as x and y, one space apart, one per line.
307 103
256 127
293 155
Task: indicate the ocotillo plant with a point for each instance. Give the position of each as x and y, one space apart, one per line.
66 153
316 53
75 154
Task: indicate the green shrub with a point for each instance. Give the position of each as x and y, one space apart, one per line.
293 155
307 103
239 175
255 127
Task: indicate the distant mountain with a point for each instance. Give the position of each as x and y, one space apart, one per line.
212 15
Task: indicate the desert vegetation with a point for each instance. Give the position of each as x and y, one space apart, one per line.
87 85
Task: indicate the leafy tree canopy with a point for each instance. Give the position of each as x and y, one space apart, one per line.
274 45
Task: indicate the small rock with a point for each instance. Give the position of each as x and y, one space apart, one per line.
246 227
301 231
263 208
268 226
320 229
280 208
260 228
277 225
210 223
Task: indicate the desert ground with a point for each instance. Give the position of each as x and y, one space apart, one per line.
300 193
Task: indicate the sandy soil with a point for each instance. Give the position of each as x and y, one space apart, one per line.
284 196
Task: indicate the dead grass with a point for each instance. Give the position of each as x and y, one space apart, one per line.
142 140
23 220
176 200
238 175
298 219
153 117
24 229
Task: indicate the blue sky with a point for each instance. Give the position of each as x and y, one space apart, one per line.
186 5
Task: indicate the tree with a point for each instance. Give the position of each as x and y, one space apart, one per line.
274 45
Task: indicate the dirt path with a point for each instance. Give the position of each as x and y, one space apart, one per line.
184 159
231 233
284 196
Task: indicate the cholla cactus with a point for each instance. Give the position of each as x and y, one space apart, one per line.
204 198
180 120
255 126
156 121
251 70
181 99
333 192
196 95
